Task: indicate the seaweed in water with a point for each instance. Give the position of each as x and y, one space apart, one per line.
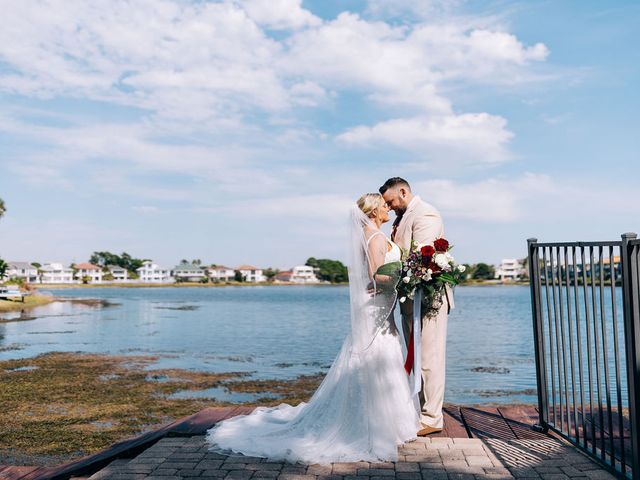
498 370
47 333
183 308
12 347
505 393
90 302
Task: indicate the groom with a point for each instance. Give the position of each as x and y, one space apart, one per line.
420 223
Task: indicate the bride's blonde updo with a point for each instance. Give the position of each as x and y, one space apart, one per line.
369 202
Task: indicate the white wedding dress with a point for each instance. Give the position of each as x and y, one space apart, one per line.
362 410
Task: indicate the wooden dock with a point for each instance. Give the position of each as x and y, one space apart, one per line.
508 422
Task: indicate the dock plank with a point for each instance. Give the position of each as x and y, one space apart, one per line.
454 426
520 419
17 472
202 421
486 422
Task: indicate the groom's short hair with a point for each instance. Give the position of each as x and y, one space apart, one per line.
394 182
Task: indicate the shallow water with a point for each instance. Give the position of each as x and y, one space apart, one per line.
278 332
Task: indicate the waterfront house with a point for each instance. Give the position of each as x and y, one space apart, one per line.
119 274
53 272
283 277
220 273
510 269
88 271
188 272
22 271
151 272
251 274
304 274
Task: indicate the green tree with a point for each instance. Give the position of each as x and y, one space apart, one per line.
270 273
197 261
4 266
482 271
124 261
329 270
238 277
3 208
525 268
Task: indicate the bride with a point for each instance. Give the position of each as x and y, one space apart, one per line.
363 409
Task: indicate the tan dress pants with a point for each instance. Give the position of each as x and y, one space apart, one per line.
434 342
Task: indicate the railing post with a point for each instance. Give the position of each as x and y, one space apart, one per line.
538 334
631 309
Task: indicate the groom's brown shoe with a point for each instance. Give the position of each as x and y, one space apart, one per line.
428 431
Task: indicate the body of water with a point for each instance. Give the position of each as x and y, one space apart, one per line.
278 332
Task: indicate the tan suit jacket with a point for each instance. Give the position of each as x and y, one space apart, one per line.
421 224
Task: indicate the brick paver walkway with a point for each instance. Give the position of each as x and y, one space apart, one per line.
428 458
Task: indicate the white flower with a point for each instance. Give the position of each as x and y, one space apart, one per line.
427 276
430 272
461 268
403 299
442 261
449 256
406 279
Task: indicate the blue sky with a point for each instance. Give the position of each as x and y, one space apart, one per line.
241 131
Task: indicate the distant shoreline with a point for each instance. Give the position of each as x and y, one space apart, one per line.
181 285
63 286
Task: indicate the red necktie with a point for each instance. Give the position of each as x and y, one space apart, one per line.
394 230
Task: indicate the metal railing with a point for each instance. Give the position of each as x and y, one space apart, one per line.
586 318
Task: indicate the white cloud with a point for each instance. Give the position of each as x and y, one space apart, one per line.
280 14
146 209
494 200
421 9
531 199
466 138
326 208
213 96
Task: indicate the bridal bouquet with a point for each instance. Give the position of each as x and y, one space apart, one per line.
429 268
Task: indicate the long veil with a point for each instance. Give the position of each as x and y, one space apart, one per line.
372 296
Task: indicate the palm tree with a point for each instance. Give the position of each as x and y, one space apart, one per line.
2 208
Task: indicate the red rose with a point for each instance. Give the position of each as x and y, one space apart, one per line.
441 245
427 251
434 267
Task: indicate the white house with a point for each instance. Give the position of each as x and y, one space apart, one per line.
509 269
251 274
88 271
188 272
220 273
151 272
303 274
119 274
22 270
56 273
